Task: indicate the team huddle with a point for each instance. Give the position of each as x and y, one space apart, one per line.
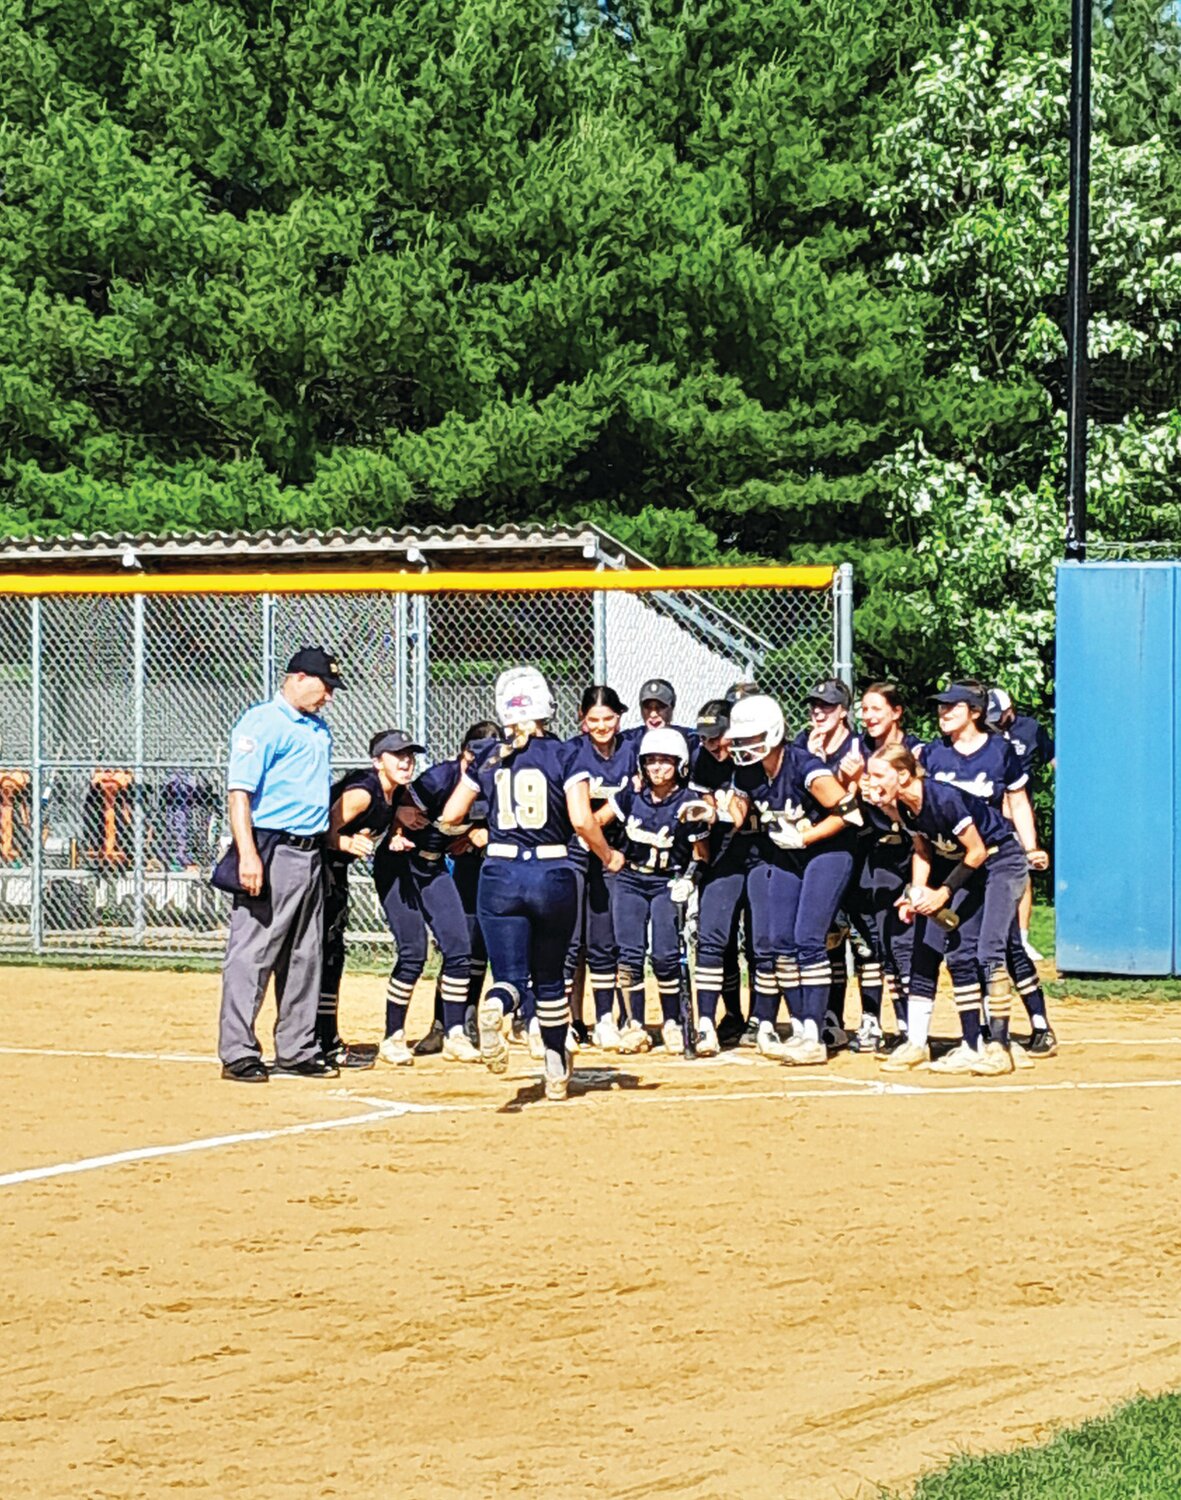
561 867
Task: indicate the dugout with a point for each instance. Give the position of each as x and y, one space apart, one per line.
1117 829
125 660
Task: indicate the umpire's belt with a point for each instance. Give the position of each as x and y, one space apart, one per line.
542 851
304 841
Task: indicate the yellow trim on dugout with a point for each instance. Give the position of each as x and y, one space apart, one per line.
377 581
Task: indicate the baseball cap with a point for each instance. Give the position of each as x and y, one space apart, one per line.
656 688
713 720
394 742
831 692
316 661
999 704
960 692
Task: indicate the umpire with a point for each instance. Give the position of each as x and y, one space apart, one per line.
279 779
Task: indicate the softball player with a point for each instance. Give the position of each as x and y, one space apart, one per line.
528 894
360 813
416 892
882 874
609 760
986 765
966 857
721 885
1034 747
803 861
464 856
657 844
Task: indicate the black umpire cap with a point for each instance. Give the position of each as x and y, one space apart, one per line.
316 661
657 690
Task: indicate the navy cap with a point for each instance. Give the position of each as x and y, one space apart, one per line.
656 689
315 661
712 726
832 692
394 742
960 692
999 704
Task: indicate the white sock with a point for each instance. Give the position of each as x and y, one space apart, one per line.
811 1031
1025 935
918 1015
1040 1023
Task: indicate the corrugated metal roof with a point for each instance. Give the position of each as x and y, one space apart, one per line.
474 545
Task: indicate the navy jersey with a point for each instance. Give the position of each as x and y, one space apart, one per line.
608 774
911 741
947 811
430 792
652 839
1033 744
831 758
988 773
787 794
707 773
376 818
526 791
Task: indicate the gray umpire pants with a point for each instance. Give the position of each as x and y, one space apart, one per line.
277 934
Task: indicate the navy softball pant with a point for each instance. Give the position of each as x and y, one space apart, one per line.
527 910
641 904
793 900
418 896
594 934
881 878
721 896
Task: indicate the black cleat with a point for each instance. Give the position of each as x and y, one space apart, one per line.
352 1055
432 1042
1042 1043
750 1036
892 1043
317 1066
245 1070
730 1029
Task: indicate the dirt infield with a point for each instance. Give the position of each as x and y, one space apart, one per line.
710 1279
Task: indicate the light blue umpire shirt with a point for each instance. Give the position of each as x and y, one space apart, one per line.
283 758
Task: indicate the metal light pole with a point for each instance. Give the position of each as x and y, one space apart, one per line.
1076 280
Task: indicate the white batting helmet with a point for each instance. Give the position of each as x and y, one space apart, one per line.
756 728
523 696
670 742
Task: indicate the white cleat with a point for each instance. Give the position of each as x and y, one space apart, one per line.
394 1051
903 1059
493 1047
634 1038
801 1053
707 1038
536 1045
558 1068
961 1059
457 1047
769 1044
674 1042
573 1045
1021 1058
992 1061
606 1034
867 1036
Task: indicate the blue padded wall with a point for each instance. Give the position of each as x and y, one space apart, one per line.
1117 891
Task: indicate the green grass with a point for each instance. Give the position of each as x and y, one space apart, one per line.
1134 1454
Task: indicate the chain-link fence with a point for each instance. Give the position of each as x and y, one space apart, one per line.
116 712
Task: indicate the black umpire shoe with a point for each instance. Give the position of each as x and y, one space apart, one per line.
1042 1043
428 1045
750 1037
730 1029
246 1070
352 1055
311 1067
